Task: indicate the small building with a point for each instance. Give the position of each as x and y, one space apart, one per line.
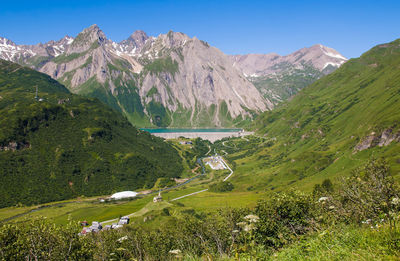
123 221
115 226
95 227
107 227
157 198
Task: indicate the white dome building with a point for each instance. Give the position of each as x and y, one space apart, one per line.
123 194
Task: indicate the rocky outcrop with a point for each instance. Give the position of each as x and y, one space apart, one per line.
373 140
388 136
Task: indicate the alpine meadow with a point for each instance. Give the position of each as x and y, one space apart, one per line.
165 146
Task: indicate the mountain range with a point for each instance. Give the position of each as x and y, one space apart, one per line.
172 79
280 77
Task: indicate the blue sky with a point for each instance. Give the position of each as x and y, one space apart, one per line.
351 27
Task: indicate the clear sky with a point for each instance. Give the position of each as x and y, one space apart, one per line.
235 27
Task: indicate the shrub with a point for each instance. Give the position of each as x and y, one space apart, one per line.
283 218
325 188
370 193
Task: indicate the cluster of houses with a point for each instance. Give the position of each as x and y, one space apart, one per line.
97 227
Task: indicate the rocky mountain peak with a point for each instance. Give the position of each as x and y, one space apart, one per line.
280 77
151 79
6 42
319 56
138 37
88 38
11 52
135 42
174 39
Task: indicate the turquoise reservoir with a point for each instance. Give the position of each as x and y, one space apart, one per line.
173 130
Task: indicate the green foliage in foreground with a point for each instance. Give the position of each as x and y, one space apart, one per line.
67 146
285 226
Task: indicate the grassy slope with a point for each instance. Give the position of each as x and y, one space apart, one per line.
364 92
80 147
313 136
332 115
345 243
281 87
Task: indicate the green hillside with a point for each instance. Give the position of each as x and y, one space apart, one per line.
291 80
324 131
61 145
331 129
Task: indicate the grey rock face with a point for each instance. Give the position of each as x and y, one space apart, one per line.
134 43
89 37
318 56
370 141
204 77
279 77
173 70
171 78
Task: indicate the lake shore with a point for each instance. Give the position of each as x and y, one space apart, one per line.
211 136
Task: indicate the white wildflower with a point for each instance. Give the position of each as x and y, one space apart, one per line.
252 218
249 227
322 199
122 239
395 201
368 221
175 252
241 224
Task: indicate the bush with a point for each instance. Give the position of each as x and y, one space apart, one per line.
283 218
39 240
370 193
324 188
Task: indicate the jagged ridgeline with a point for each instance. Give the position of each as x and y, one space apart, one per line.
334 125
60 145
172 79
